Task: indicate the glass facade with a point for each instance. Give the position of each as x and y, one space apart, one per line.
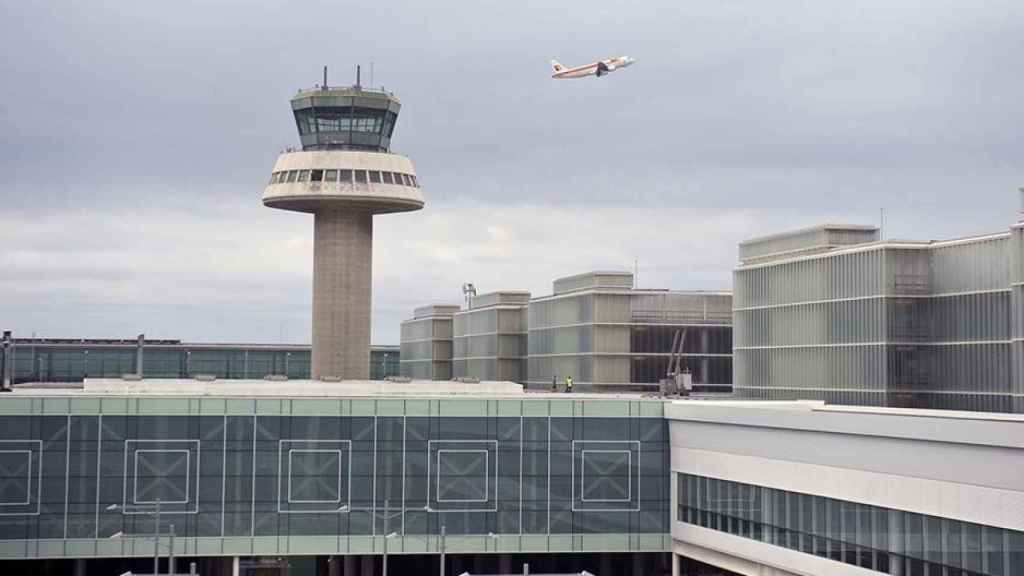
881 539
918 325
426 343
345 118
490 338
621 337
74 360
316 473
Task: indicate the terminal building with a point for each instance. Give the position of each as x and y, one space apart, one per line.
835 313
310 478
47 360
595 327
426 343
490 337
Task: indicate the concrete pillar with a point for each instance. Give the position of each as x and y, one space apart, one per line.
351 565
368 565
236 569
675 564
8 360
639 565
138 355
342 264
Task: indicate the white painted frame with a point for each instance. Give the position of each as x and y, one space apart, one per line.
126 506
487 474
605 444
291 453
432 492
289 501
629 476
135 476
39 478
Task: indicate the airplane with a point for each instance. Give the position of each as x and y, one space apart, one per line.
599 68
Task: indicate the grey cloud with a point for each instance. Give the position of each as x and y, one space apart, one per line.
135 140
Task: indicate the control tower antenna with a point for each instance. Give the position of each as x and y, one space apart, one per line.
344 175
359 85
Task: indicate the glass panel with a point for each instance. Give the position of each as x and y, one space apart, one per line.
316 176
303 175
387 178
345 175
375 176
292 174
361 176
331 176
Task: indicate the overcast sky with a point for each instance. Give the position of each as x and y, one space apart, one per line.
136 137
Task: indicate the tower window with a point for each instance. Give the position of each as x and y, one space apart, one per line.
361 176
316 176
387 178
292 174
414 181
303 175
375 176
405 177
345 175
331 175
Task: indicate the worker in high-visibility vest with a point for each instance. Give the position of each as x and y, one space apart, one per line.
568 383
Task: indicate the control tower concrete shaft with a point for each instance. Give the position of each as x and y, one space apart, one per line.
344 175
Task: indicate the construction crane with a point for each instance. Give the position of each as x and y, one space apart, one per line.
678 379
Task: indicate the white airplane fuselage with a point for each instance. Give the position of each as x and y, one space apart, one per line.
599 68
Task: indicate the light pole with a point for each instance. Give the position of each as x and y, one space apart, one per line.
155 510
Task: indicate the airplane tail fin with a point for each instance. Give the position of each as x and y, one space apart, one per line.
556 66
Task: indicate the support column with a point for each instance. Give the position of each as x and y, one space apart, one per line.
235 567
368 565
138 355
8 360
675 564
342 264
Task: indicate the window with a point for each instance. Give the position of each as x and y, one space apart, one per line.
316 176
331 175
881 539
406 179
361 176
414 182
273 178
292 174
345 175
387 178
375 176
303 175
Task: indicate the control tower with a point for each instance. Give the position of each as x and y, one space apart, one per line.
344 175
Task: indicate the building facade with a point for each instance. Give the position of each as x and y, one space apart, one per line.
490 337
605 334
69 360
274 475
310 478
832 313
796 488
426 343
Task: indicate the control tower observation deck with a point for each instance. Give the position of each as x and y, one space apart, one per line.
344 175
